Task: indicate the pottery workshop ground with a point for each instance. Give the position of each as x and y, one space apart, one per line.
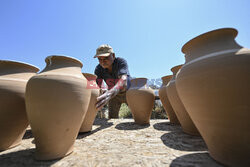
120 142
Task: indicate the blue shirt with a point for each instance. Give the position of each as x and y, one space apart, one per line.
119 67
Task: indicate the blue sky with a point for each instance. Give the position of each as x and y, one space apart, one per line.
149 34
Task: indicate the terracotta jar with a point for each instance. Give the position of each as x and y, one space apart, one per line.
13 120
180 111
214 85
165 101
56 102
140 98
92 111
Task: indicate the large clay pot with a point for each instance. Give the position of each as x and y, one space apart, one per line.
92 111
165 101
140 99
56 102
181 113
13 120
214 85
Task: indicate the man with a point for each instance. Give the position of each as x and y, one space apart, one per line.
114 71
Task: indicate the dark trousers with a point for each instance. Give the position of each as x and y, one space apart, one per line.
115 104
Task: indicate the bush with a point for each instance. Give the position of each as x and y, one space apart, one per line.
158 112
125 111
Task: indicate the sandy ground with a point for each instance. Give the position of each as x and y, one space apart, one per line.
120 142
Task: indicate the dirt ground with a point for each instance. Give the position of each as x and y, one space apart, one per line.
120 142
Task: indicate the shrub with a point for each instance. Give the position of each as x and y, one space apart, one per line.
125 112
158 112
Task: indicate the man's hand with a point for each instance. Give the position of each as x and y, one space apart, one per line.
107 95
103 99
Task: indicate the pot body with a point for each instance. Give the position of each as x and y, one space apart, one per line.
56 102
92 111
140 99
181 113
13 119
215 89
165 100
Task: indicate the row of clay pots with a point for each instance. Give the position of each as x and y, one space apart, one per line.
140 98
173 105
57 101
181 113
165 100
214 86
203 94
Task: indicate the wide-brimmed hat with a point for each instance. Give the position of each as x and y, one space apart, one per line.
104 50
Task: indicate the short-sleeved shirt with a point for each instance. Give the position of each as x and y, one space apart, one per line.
119 67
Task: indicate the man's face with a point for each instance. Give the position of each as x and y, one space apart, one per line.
106 61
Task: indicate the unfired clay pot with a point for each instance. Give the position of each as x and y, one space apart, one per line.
140 99
180 111
13 120
92 111
214 85
165 101
56 101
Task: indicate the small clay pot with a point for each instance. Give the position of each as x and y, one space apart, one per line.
92 111
140 98
56 102
13 120
181 113
165 101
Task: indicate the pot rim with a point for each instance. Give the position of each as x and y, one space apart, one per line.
63 56
166 77
30 66
173 69
89 74
139 78
187 45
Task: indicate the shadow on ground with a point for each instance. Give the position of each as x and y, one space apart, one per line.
23 158
103 122
196 159
130 126
179 140
166 126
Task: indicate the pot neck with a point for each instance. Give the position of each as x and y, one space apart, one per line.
166 79
89 77
175 69
211 42
13 68
62 64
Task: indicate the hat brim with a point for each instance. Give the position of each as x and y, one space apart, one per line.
102 55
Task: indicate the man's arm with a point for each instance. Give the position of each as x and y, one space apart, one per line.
121 85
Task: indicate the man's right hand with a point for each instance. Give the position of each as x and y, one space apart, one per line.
103 99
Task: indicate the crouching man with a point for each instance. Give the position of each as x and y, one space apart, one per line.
114 71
